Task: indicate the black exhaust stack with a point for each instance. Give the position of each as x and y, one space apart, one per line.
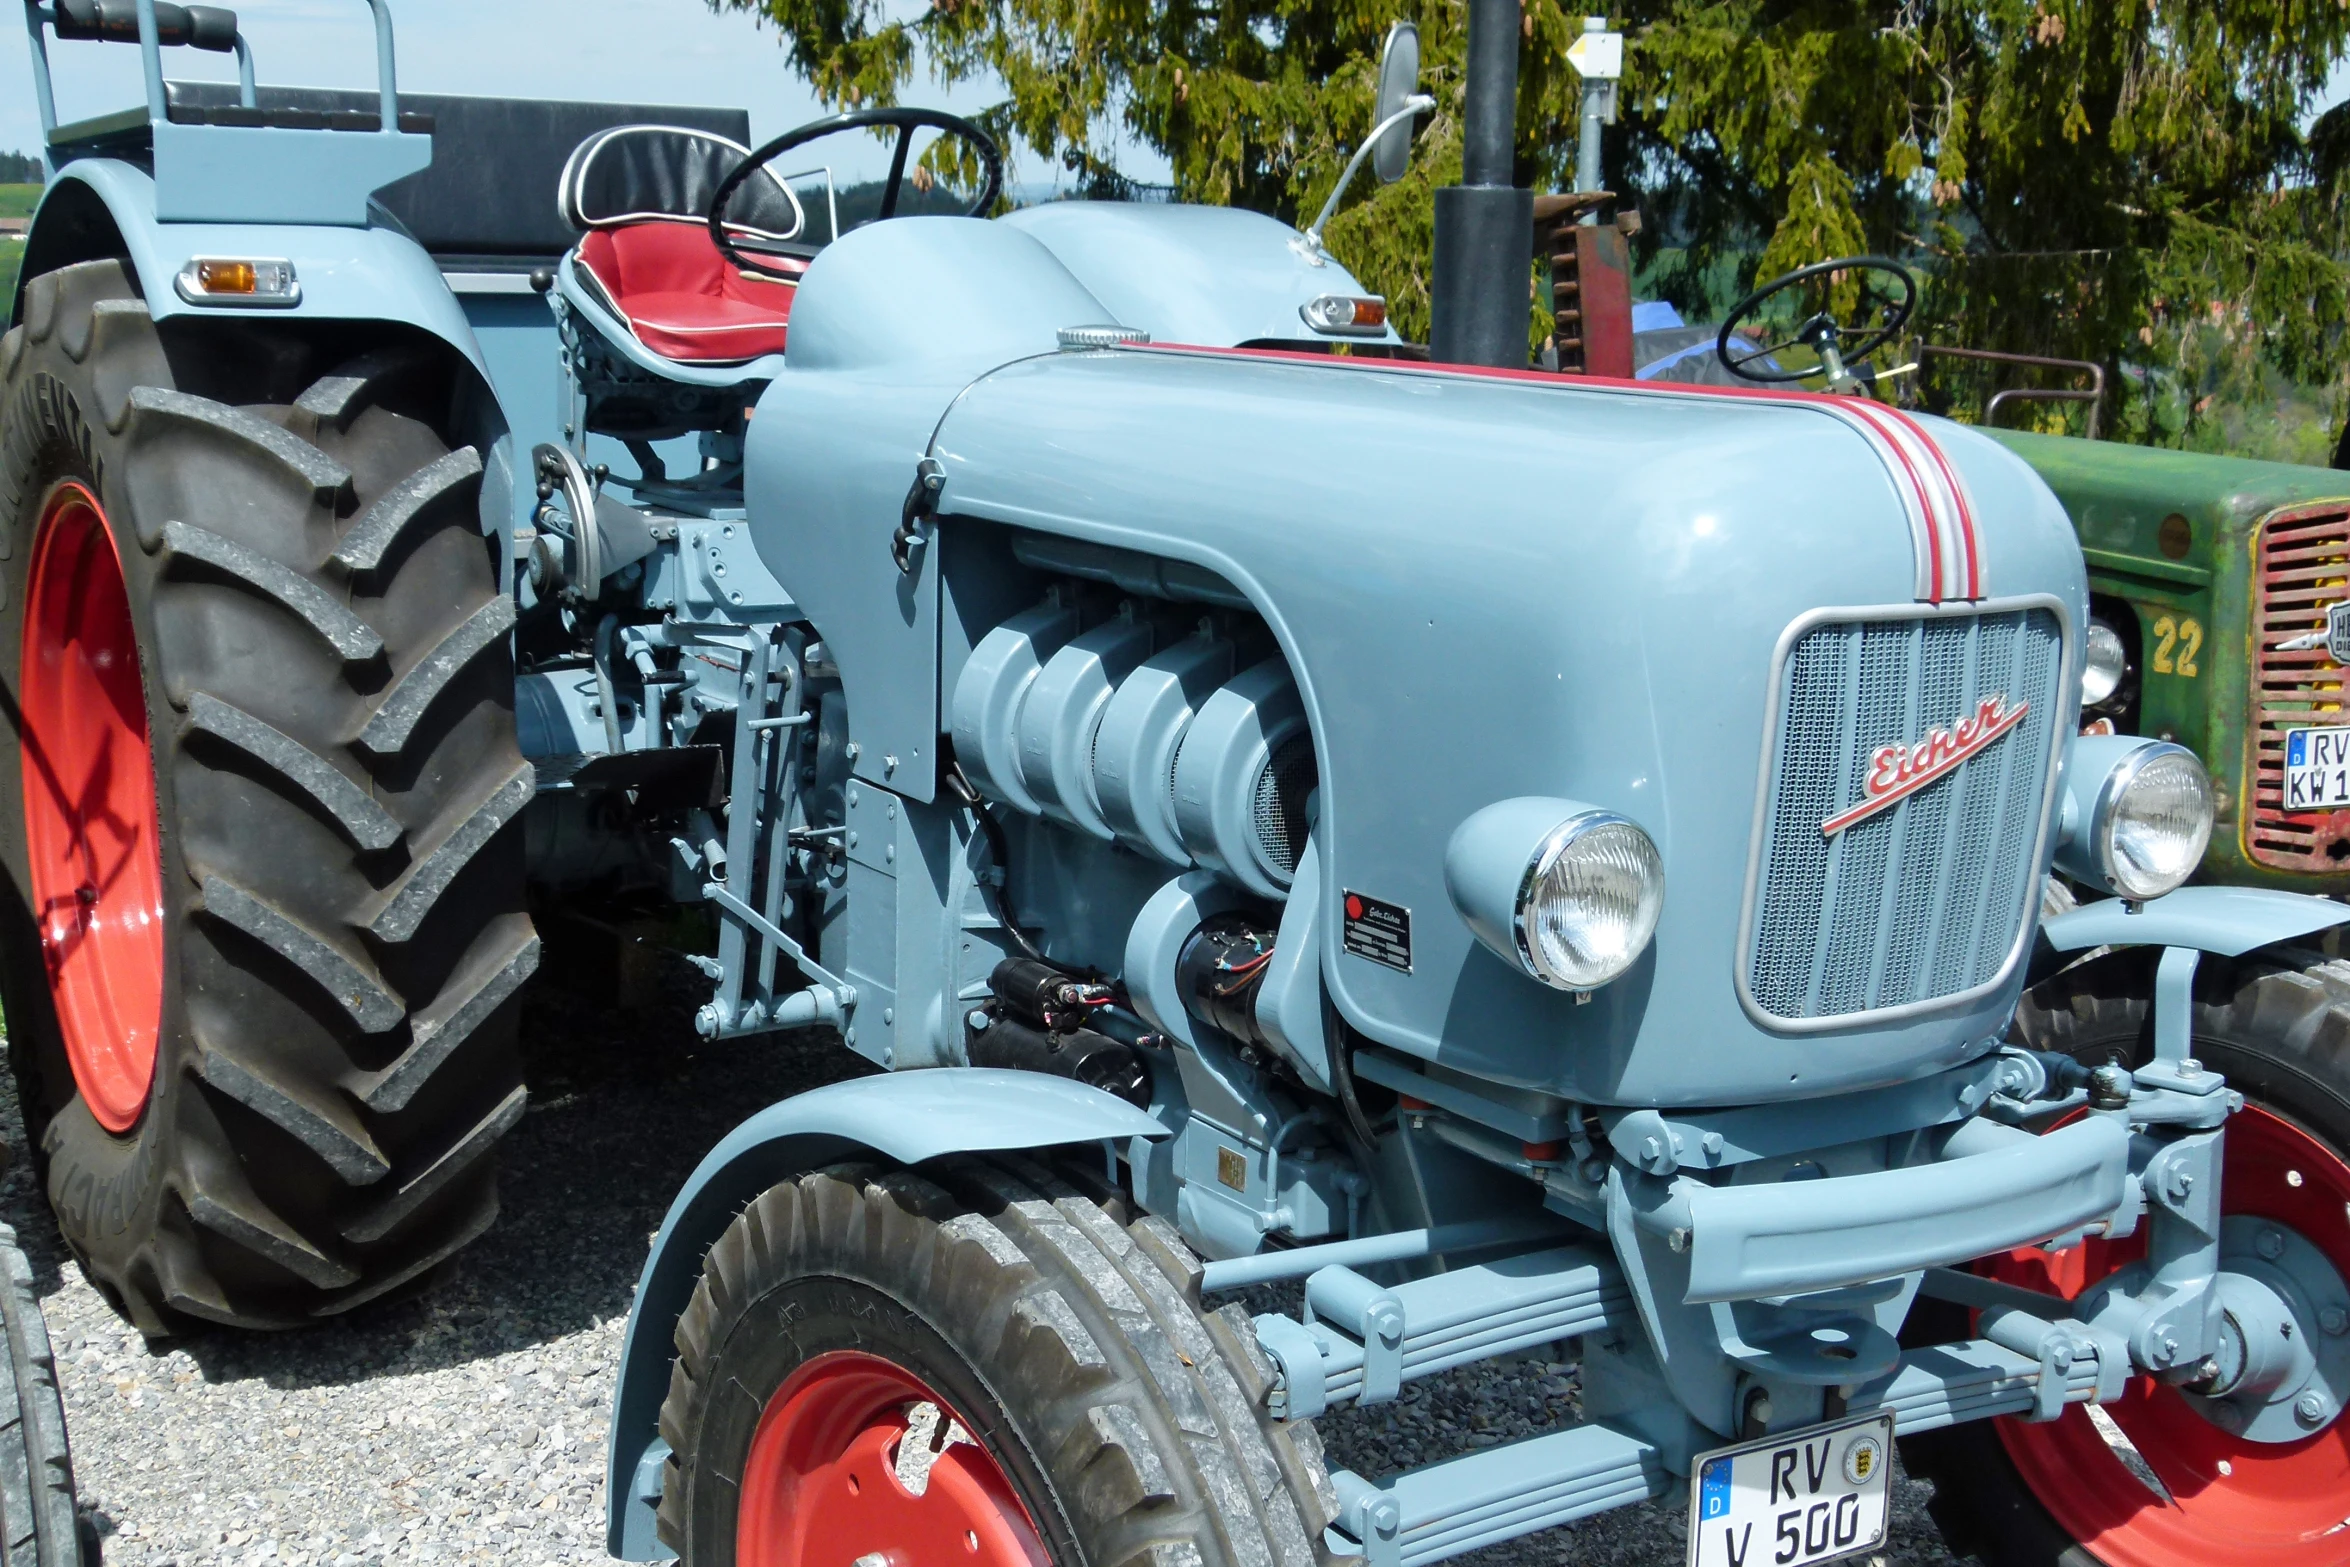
1485 224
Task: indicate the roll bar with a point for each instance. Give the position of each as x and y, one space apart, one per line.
2093 395
155 25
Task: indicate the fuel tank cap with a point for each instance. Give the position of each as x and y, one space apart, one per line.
1103 335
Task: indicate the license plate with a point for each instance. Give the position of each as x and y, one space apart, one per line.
2317 769
1788 1501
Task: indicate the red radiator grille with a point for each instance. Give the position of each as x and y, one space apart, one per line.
2302 567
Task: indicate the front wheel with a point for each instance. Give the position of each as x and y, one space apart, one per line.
2157 1481
972 1363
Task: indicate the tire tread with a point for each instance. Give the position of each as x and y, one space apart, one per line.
1155 1451
349 922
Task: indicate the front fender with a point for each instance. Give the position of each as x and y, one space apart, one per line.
2229 921
376 273
904 1116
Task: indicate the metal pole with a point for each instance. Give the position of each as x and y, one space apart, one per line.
1490 113
1395 1246
387 86
1595 91
151 55
1483 295
36 16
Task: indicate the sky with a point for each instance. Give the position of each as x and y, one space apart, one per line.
639 51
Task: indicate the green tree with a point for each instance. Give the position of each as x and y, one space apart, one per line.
1256 103
2082 177
2096 179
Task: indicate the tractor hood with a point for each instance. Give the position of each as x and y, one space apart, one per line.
1492 586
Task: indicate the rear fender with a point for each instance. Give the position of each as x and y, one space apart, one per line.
905 1117
100 207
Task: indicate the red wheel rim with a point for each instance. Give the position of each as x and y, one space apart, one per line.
2251 1503
821 1487
89 808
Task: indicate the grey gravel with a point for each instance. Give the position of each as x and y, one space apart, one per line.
467 1424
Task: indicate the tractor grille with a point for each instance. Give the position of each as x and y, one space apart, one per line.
1925 900
2301 566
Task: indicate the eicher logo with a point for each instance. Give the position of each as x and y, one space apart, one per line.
1898 771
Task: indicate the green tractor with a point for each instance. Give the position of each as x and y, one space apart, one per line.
2219 586
2220 603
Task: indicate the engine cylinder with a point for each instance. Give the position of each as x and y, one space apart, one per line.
1141 730
1063 708
993 686
1135 732
1244 777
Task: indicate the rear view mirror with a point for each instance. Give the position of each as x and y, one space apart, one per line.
1389 147
1399 79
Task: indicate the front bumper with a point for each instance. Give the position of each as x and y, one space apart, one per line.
1994 1189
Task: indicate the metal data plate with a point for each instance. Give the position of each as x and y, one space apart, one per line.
1791 1500
2317 770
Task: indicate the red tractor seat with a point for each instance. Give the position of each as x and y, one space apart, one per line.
683 299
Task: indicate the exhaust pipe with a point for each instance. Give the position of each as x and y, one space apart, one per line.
1482 300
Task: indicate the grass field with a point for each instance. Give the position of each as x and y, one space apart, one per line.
16 201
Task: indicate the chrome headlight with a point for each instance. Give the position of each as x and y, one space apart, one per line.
2137 815
2103 663
1568 893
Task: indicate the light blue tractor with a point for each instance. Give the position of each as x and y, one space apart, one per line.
1517 860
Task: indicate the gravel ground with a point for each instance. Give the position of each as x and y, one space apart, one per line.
467 1424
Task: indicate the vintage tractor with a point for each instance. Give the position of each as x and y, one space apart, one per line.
1444 837
2216 585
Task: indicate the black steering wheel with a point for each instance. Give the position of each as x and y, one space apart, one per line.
907 121
1881 316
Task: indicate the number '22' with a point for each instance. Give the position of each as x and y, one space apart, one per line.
2182 635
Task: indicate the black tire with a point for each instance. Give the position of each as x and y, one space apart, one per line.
1131 1423
2277 1025
329 694
39 1526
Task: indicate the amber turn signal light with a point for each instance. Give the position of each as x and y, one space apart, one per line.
236 280
1346 315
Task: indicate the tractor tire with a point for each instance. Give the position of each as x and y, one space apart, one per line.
2012 1494
40 1525
261 892
979 1362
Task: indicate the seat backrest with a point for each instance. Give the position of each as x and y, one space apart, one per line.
636 174
485 195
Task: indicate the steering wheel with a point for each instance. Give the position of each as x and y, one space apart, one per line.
1823 334
907 122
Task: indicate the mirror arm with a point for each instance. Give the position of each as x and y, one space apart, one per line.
1309 244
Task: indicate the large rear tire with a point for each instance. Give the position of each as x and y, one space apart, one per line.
40 1525
986 1327
2014 1494
261 896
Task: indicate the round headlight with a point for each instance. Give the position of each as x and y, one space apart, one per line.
2103 663
1589 901
2153 821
